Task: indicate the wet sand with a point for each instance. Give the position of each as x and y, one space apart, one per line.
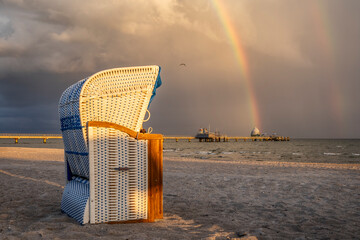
203 199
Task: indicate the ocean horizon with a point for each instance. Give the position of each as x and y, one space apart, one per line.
296 150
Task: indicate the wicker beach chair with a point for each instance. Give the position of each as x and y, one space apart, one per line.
113 172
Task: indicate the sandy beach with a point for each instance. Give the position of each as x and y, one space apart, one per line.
203 199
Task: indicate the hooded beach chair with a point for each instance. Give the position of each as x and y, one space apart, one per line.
113 172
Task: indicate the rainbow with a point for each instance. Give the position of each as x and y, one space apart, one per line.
325 41
322 28
241 58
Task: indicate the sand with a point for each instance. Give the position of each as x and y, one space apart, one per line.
203 199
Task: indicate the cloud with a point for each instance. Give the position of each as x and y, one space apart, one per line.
45 46
6 29
10 50
270 27
77 38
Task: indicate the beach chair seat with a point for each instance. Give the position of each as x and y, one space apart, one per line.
108 162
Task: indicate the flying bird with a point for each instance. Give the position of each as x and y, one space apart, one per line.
182 64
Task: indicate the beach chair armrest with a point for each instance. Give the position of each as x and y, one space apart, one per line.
131 133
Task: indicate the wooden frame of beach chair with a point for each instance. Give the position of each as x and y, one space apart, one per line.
113 173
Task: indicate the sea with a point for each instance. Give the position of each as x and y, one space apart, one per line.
296 150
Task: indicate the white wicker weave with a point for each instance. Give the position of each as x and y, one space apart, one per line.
105 98
118 176
121 96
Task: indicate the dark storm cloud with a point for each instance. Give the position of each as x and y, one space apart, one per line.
41 118
303 58
28 101
26 89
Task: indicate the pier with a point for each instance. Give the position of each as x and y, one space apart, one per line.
204 135
16 137
228 139
213 138
237 139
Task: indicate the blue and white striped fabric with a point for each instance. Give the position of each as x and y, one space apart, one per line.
74 141
75 198
76 192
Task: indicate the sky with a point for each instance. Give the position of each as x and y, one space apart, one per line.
285 66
